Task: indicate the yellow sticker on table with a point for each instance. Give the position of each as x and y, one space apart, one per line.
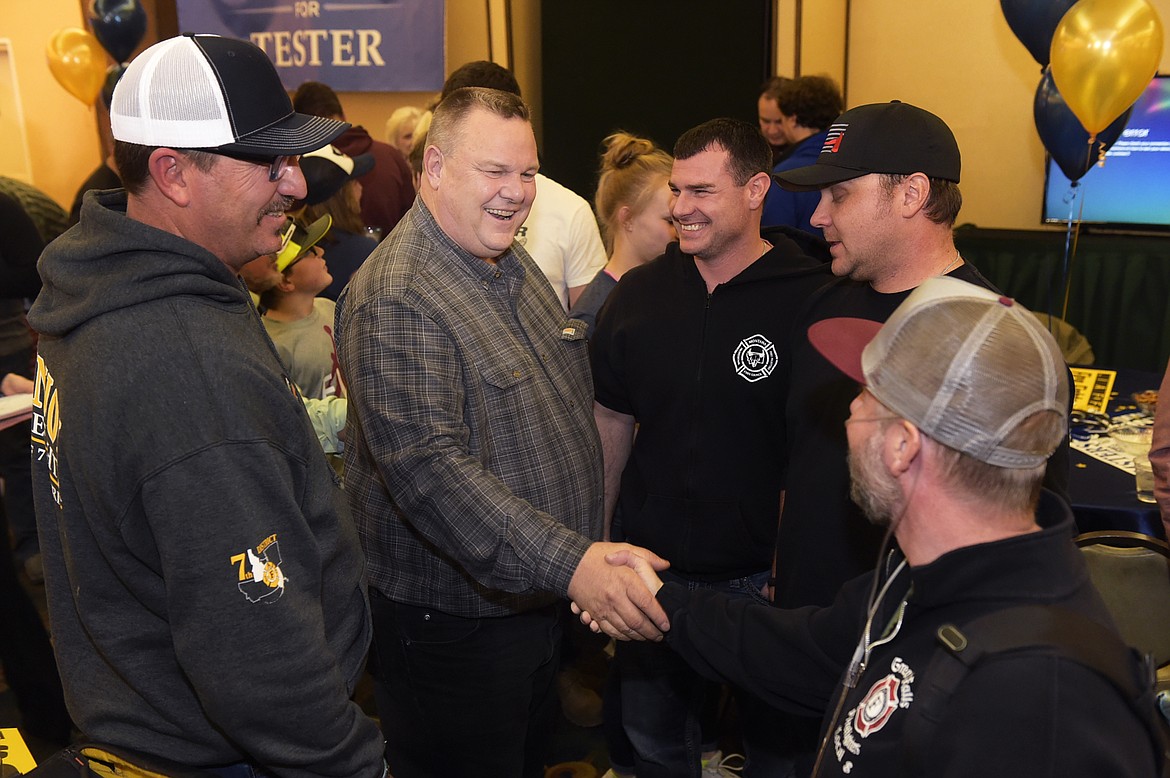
14 753
1093 389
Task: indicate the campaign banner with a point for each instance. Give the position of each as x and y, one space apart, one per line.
365 46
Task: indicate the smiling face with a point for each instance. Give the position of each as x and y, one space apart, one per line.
713 214
858 220
241 214
481 189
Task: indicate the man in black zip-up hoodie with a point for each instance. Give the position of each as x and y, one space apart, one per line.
686 348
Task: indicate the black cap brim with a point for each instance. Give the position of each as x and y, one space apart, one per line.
297 133
816 176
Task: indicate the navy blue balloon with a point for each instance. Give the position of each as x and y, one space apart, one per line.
1034 22
1064 136
113 75
118 25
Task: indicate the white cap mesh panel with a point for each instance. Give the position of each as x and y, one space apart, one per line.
967 370
188 113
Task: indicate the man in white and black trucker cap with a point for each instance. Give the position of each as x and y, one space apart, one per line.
979 645
203 575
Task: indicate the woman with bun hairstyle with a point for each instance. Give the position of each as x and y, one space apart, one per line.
633 210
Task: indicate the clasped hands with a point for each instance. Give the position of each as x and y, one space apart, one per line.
613 591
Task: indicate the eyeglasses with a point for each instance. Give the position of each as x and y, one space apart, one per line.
277 166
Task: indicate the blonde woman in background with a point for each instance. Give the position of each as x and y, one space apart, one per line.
633 209
400 128
418 145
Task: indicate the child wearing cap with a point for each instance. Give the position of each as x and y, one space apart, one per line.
299 322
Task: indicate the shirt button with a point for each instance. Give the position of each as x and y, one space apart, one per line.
515 373
499 274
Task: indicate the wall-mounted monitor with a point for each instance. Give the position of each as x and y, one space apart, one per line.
1131 191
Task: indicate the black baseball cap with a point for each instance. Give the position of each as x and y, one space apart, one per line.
327 169
895 137
212 93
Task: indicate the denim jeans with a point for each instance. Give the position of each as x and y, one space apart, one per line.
464 696
662 698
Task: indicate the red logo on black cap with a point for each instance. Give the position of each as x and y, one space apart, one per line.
833 139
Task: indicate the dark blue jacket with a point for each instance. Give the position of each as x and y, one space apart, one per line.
795 209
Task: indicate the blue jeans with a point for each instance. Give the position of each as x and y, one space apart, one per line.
464 696
662 698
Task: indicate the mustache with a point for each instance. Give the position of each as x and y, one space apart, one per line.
278 206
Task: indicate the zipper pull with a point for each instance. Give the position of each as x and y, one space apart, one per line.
856 666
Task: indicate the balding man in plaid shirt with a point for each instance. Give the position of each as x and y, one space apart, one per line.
473 464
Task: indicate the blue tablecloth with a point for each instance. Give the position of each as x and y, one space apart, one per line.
1104 497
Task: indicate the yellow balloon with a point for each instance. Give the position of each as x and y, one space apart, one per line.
78 62
1104 53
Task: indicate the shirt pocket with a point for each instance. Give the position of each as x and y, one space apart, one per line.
506 377
511 422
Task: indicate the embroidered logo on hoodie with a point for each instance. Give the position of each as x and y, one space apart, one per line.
261 579
754 358
891 693
46 425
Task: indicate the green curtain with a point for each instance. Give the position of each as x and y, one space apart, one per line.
1118 293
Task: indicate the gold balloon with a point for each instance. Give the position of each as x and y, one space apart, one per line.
1104 53
78 62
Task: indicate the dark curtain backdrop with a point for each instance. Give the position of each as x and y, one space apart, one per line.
1120 285
651 67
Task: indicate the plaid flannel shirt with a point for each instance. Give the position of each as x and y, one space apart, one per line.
473 465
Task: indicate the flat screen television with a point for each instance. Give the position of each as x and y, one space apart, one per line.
1132 190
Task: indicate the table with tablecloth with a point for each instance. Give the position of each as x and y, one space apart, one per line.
1101 482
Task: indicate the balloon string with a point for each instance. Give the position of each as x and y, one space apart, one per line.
1072 238
1073 233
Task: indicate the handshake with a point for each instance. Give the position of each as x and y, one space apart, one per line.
613 591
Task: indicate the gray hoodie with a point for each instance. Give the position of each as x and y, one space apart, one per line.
204 578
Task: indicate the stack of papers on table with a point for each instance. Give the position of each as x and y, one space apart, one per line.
14 409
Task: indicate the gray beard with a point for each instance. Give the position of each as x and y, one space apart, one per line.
874 491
